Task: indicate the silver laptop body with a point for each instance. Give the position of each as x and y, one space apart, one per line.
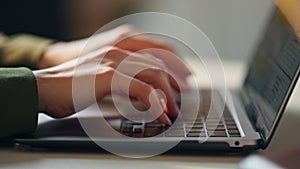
255 109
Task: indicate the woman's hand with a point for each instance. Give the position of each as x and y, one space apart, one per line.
124 37
55 83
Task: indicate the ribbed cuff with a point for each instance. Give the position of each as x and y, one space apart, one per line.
18 102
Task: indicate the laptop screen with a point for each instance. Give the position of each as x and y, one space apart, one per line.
272 74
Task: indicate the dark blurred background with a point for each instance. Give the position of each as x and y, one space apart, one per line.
60 19
234 26
29 16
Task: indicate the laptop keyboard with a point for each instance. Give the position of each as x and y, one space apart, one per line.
202 126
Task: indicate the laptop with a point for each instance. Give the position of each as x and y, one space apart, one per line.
247 122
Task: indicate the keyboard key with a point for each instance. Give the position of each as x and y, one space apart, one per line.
219 128
154 125
194 126
196 134
230 122
234 133
127 133
217 125
174 133
199 130
213 126
193 122
137 131
217 133
232 127
126 125
127 129
197 126
150 132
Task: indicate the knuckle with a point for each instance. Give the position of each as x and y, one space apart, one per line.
117 53
127 28
124 31
110 71
110 51
107 48
111 64
113 49
155 75
113 52
157 61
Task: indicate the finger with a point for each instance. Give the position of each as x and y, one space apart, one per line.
176 81
117 55
159 80
154 76
142 91
139 41
172 61
142 42
178 84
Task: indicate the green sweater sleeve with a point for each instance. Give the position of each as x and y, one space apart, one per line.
22 50
18 102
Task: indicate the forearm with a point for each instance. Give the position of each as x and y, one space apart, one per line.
18 102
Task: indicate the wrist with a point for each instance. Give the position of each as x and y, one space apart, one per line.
40 89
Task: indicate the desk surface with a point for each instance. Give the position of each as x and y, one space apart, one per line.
15 158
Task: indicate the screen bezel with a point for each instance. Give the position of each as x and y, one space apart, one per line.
248 91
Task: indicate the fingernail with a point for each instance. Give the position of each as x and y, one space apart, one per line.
166 119
164 105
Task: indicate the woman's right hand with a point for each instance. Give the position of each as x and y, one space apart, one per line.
55 83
